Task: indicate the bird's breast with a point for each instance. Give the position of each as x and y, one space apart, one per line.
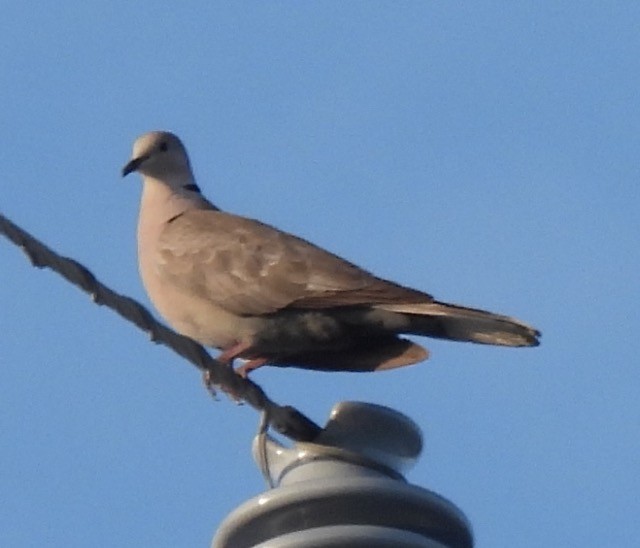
185 311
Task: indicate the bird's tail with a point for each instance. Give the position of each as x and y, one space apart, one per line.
459 323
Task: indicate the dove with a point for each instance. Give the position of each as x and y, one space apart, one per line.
270 298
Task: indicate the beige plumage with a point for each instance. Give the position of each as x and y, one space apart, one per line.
269 297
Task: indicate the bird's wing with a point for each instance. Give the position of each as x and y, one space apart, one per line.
250 268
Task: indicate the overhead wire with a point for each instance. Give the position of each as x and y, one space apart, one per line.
286 420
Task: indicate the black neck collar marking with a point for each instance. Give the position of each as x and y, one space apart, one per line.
192 187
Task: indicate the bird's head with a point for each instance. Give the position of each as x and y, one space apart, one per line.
159 154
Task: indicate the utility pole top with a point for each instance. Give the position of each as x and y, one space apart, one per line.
346 489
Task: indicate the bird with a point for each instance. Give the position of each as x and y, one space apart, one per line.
268 297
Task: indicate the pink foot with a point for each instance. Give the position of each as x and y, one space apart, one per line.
226 357
229 354
249 366
232 352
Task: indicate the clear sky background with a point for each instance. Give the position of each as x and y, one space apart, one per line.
485 152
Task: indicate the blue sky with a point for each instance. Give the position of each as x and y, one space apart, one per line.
484 152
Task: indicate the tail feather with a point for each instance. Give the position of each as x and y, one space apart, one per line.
459 323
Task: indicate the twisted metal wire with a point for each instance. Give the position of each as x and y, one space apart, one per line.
286 420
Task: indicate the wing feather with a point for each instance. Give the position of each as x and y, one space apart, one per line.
250 268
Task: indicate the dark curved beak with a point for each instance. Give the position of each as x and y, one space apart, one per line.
133 165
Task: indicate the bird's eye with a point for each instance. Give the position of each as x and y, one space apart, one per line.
164 146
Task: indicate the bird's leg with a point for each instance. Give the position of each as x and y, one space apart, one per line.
231 352
226 357
249 366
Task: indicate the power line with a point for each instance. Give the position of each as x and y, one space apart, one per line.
284 419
